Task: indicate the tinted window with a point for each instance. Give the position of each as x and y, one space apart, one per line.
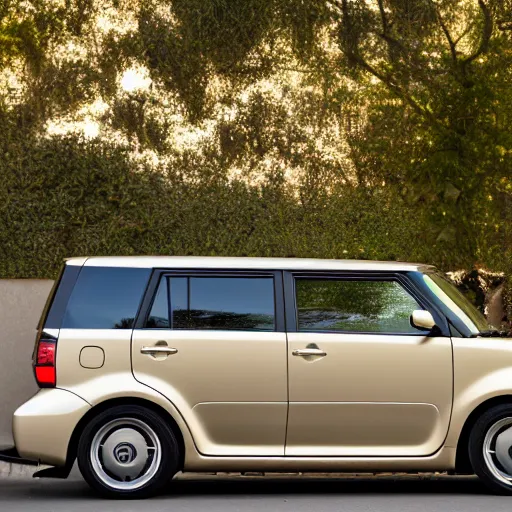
457 302
105 298
224 303
354 305
159 315
180 302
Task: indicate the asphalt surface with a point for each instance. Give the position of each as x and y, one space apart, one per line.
282 494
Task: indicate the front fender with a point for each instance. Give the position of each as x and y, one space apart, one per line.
482 371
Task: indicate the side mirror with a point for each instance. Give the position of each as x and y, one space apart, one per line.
423 320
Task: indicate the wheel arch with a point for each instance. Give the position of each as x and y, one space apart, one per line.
462 462
107 404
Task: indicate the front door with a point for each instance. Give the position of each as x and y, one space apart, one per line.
362 380
214 345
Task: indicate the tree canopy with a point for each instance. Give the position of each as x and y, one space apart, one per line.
338 128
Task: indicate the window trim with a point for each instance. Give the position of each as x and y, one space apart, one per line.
402 278
157 274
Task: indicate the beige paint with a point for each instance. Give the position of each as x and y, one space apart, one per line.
386 395
253 428
443 460
216 262
220 375
43 426
113 380
483 370
92 357
364 429
423 319
116 347
390 396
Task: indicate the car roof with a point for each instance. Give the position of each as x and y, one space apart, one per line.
245 263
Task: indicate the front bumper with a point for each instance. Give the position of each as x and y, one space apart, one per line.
43 426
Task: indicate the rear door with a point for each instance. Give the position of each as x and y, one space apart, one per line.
362 380
214 344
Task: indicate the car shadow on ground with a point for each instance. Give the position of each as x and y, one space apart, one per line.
313 485
218 487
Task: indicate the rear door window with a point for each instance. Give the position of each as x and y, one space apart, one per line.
106 298
365 306
214 303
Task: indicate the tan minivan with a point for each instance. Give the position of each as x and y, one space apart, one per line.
153 365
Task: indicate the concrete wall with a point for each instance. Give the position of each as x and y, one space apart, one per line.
21 304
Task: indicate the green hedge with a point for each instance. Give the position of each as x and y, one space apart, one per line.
65 197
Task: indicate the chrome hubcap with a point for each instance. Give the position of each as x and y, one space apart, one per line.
125 453
498 450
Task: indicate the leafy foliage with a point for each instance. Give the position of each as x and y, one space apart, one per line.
365 306
333 128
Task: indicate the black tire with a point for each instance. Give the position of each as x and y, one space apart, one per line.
476 448
164 470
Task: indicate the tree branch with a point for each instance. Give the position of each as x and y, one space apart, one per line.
446 32
350 42
400 92
350 38
392 42
486 34
383 17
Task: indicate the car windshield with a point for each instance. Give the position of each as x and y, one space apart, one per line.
457 302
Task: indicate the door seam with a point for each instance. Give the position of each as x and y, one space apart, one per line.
287 366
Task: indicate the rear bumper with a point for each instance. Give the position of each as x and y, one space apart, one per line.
43 426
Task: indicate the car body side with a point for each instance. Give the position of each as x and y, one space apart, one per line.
46 427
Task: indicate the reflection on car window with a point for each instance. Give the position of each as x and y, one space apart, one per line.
105 298
222 303
457 302
159 315
354 306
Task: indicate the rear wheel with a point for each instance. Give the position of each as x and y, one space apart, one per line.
490 448
128 451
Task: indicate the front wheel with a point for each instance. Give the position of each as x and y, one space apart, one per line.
490 448
128 452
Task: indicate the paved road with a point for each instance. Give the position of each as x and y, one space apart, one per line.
385 494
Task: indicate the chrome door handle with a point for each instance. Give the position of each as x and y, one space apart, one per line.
309 352
159 350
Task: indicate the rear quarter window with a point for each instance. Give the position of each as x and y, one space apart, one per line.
106 298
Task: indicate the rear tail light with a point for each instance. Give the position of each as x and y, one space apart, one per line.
44 363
